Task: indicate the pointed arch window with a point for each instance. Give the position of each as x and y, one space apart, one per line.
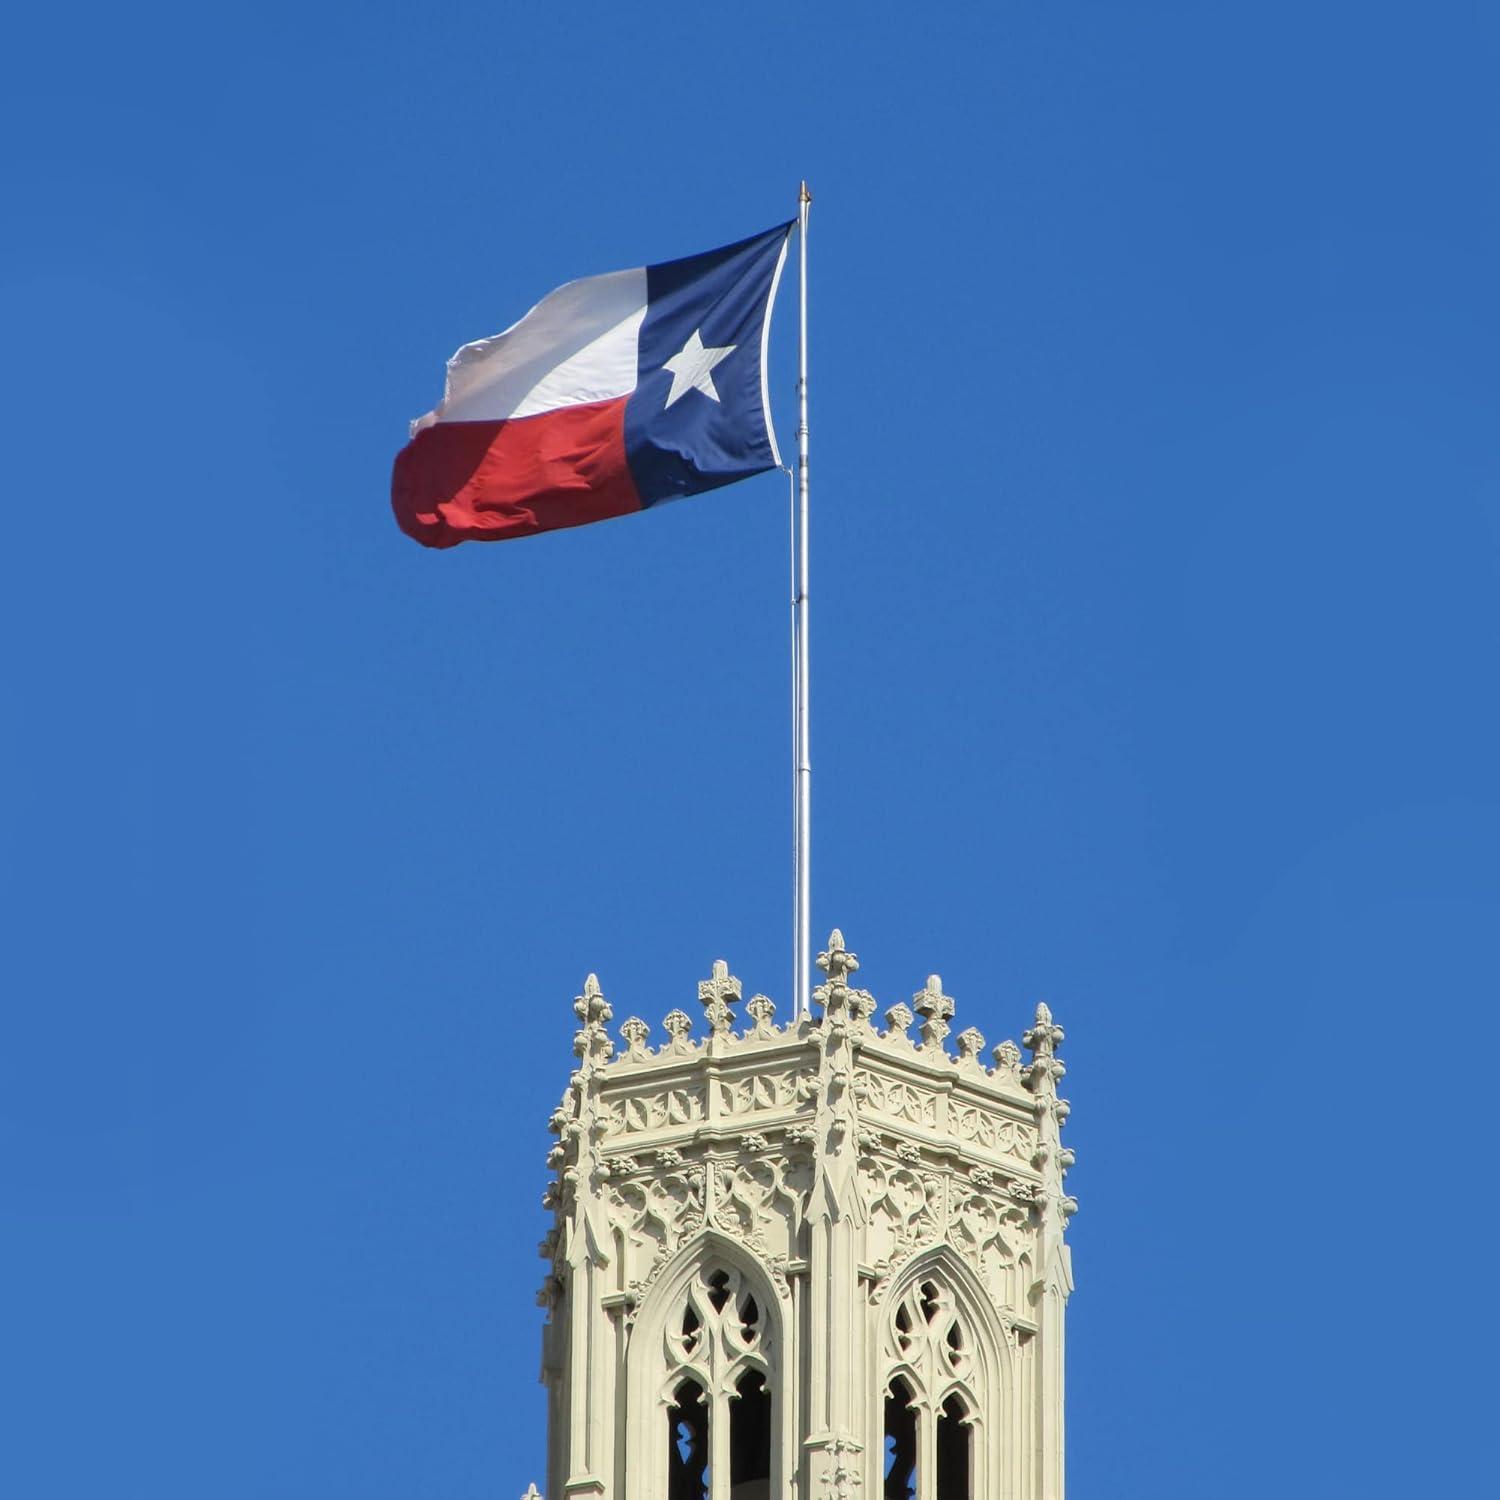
687 1439
900 1442
954 1451
933 1395
719 1420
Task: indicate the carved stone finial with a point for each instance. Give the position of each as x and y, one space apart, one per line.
715 993
679 1026
838 963
1045 1068
1044 1038
970 1045
898 1018
591 1006
635 1031
761 1008
592 1042
935 1008
1007 1059
532 1493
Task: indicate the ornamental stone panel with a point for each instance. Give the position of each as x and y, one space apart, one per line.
816 1258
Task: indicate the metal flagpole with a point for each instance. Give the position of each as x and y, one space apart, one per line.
802 854
791 594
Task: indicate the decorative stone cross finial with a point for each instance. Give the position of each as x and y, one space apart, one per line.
715 993
532 1493
935 1008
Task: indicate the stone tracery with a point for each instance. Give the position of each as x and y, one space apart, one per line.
730 1206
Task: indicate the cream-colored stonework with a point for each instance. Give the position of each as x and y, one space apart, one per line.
834 1210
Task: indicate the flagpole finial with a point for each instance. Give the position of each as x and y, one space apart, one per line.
804 196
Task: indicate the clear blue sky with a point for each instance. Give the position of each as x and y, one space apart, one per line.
1157 540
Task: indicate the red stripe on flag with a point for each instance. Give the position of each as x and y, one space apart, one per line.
490 481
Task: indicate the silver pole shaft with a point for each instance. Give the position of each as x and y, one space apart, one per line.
791 595
804 762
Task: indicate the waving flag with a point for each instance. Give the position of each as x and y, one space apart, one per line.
612 394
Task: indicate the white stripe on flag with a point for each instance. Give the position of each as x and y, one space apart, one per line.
577 344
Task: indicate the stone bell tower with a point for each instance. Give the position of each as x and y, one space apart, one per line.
822 1261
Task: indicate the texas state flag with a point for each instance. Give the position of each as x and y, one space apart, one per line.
612 394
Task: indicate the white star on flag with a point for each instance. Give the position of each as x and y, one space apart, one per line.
692 368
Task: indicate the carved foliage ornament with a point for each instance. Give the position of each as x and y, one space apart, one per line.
761 1203
653 1217
904 1209
990 1233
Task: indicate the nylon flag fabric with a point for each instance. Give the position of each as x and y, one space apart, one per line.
612 394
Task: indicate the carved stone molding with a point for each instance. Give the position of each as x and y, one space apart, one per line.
759 1091
634 1113
992 1131
901 1101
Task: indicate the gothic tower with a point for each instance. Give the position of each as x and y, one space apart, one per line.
823 1261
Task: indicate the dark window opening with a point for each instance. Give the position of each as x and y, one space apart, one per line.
687 1441
749 1317
718 1290
900 1444
954 1437
903 1328
690 1327
750 1439
930 1302
955 1342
